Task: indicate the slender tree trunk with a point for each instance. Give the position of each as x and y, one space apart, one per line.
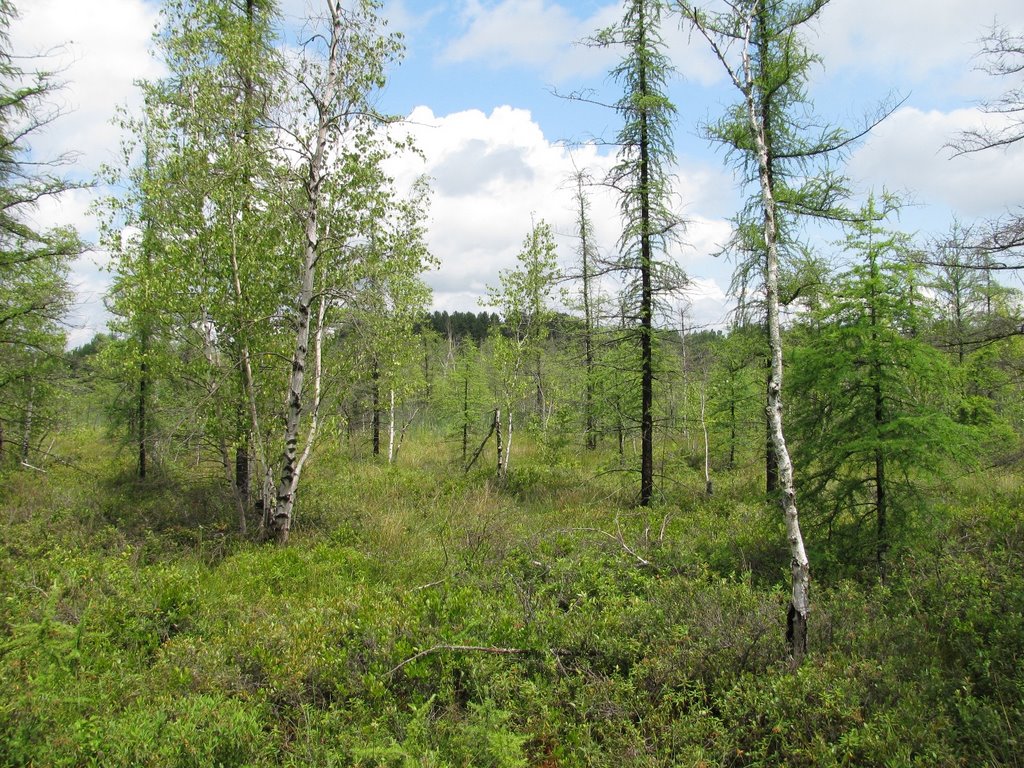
800 570
508 443
281 518
391 426
427 383
732 431
588 320
771 461
140 416
621 433
375 395
497 440
708 487
465 416
243 477
26 426
646 305
540 389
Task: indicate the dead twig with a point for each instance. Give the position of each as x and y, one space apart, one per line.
463 648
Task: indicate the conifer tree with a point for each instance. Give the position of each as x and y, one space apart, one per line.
34 263
642 179
873 400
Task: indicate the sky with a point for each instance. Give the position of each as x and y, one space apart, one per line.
480 85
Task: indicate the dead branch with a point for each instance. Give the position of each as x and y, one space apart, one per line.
466 649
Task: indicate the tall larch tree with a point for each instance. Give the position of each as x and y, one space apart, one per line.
642 179
34 290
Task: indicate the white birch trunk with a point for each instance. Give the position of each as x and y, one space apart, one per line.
708 487
391 427
508 444
796 633
280 517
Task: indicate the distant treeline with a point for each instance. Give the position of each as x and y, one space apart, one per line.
476 326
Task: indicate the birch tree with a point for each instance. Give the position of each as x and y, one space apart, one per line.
336 150
524 297
200 232
389 298
759 46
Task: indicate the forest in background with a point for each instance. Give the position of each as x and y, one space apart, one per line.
568 529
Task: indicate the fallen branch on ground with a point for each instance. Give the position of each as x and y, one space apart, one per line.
468 648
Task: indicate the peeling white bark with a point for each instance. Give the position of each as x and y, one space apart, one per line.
280 517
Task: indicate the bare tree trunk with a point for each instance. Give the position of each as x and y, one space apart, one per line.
26 433
140 416
732 430
242 468
281 517
497 440
391 427
771 462
708 488
427 383
465 416
588 320
508 444
796 620
375 397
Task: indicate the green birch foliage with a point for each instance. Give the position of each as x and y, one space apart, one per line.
388 297
524 299
872 401
200 231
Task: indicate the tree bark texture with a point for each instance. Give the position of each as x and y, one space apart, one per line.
281 517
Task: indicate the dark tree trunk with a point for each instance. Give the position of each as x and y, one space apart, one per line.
242 471
140 415
465 416
497 436
646 305
26 435
732 431
375 394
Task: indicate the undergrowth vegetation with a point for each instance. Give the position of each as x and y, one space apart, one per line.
427 617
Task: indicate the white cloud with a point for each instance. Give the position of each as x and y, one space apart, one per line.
546 37
907 153
532 33
495 173
102 47
919 36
